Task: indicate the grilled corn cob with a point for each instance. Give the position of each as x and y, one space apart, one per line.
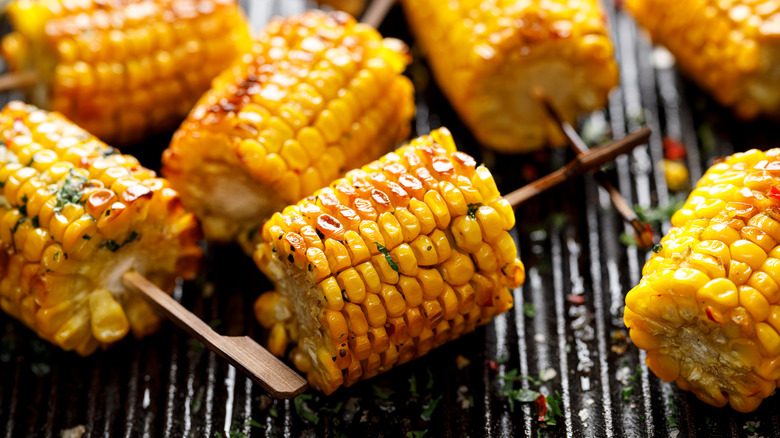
383 265
318 94
729 48
74 216
489 57
707 309
124 69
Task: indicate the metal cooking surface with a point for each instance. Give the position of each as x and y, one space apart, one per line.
569 239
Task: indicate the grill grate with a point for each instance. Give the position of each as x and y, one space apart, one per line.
569 240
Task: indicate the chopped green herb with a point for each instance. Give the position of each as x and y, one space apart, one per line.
111 245
71 191
628 239
751 429
512 375
387 255
627 391
471 401
473 210
656 216
637 374
273 413
672 422
429 385
86 237
529 310
303 409
254 423
416 433
658 248
381 393
413 386
521 395
429 408
554 402
706 137
502 359
215 323
56 256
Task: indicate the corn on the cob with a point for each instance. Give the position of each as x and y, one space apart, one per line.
392 260
318 95
124 69
708 307
74 216
730 48
489 57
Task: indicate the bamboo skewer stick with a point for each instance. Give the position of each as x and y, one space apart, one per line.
242 352
642 231
376 12
15 81
592 159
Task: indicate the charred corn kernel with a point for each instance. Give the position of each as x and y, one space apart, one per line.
726 47
305 129
503 51
85 59
413 286
723 344
63 266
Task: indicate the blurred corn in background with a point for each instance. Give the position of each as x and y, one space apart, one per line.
489 56
706 309
397 258
123 70
75 215
731 49
317 95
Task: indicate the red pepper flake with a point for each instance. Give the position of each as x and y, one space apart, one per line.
714 315
576 299
493 365
541 406
673 149
774 192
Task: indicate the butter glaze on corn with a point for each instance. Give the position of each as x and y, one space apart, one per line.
319 94
124 69
394 259
730 48
707 309
488 56
74 216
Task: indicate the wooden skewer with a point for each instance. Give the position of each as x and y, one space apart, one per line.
376 12
242 352
592 159
15 81
642 231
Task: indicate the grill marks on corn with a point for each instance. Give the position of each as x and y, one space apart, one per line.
62 217
317 95
491 56
729 48
708 307
353 314
126 69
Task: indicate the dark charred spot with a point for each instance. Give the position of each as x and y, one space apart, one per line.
291 258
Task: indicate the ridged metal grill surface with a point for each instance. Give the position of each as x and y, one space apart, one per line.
569 240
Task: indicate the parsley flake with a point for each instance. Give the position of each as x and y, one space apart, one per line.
387 255
430 408
473 210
